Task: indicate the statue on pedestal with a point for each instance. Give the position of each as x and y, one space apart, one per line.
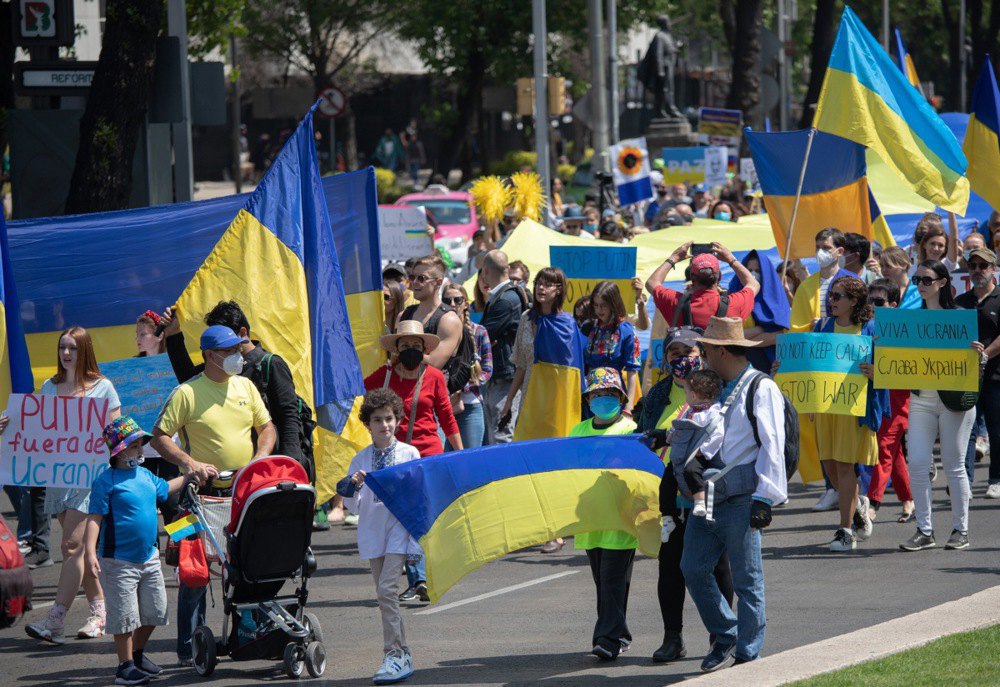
656 71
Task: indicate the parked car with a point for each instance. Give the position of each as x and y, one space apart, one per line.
453 215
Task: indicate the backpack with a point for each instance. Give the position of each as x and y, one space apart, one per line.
15 579
458 370
791 426
305 417
682 313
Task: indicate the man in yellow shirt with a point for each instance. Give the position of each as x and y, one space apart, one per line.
213 414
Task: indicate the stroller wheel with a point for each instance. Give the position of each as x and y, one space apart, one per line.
293 660
312 624
315 659
203 650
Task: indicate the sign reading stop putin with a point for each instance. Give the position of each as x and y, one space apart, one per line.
332 102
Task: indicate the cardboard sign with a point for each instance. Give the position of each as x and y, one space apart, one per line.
926 349
717 126
683 165
820 373
748 172
716 165
586 267
403 233
143 385
54 441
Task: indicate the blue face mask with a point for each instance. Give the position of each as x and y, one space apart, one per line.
605 407
592 228
723 216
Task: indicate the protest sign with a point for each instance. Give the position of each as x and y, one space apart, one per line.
820 373
960 282
54 441
143 385
403 233
586 266
926 349
683 165
716 165
717 126
748 172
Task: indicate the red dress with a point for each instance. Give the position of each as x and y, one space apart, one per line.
433 407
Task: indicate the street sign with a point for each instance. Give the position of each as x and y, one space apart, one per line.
53 78
333 102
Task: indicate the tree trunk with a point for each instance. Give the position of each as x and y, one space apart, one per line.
744 91
954 63
6 69
116 107
351 143
824 33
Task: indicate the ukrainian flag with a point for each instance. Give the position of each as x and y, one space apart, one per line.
835 190
865 98
183 527
15 370
905 62
981 137
471 507
551 405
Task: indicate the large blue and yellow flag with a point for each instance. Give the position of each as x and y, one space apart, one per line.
551 405
867 99
311 295
835 190
982 137
905 62
15 366
471 507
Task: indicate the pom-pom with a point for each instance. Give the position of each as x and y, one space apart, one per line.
491 197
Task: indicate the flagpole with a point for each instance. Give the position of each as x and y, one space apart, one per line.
795 205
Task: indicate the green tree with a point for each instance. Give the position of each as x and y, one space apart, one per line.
211 23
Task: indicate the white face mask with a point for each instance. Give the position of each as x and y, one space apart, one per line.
825 258
232 364
132 462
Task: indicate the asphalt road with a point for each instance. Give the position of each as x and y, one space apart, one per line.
539 632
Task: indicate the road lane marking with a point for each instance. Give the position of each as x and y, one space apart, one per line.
496 592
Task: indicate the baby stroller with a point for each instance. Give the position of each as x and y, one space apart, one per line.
266 543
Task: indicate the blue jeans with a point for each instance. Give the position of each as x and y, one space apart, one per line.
191 603
471 426
20 499
978 430
704 543
416 573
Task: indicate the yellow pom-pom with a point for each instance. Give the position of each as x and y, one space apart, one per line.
529 198
491 197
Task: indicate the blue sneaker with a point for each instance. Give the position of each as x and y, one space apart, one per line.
143 663
128 674
396 667
720 657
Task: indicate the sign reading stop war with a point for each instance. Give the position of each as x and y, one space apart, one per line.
586 267
821 373
926 349
54 441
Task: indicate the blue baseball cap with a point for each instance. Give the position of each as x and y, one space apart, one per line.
219 336
699 188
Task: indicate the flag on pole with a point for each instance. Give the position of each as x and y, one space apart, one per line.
630 168
15 366
905 62
867 99
982 137
183 527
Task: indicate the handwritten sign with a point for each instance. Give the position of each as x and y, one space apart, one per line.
585 267
403 233
54 441
143 385
926 349
821 373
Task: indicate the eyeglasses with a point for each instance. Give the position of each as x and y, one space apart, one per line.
454 300
546 285
923 281
878 302
836 296
979 266
419 278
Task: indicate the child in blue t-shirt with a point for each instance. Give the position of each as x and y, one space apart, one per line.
121 544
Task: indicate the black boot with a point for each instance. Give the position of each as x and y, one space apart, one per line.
672 649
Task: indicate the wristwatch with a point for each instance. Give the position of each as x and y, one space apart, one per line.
672 263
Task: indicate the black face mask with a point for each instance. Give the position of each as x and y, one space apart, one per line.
411 358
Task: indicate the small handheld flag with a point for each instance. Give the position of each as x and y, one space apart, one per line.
184 527
630 169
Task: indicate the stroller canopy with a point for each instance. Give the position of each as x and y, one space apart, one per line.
261 474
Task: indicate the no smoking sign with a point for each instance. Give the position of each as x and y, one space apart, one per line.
332 102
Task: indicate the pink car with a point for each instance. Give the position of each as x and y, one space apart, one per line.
454 215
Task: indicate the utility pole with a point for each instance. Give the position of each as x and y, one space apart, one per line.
181 131
235 116
885 25
613 69
597 88
783 65
541 99
962 60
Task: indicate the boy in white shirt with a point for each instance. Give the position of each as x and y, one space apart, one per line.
382 539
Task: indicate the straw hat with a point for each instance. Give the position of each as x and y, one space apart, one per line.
409 328
726 331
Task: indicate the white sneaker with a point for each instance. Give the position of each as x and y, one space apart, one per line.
843 540
350 520
993 491
862 520
396 667
92 629
47 630
828 501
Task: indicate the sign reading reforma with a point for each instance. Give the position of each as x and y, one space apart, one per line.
926 349
403 233
821 373
585 267
54 441
143 385
683 165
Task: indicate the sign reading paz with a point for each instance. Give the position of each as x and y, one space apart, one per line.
926 349
821 373
586 267
54 441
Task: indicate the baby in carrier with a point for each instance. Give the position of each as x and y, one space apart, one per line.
696 436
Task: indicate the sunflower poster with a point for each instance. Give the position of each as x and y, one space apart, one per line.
630 168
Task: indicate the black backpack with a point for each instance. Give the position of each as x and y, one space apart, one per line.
458 370
682 313
791 426
305 417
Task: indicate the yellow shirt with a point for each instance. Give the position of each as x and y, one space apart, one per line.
214 419
805 305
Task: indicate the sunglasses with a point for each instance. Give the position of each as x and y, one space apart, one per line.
923 281
837 296
878 302
979 266
419 278
454 300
